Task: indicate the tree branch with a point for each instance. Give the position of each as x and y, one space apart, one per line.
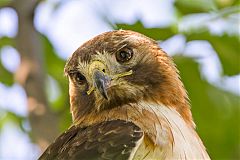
31 75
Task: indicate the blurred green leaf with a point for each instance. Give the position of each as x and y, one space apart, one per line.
6 41
226 3
5 2
6 77
65 121
54 66
227 48
8 116
215 111
154 33
194 6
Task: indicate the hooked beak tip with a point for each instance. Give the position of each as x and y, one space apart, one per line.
101 81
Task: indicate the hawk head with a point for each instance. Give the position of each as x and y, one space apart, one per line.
123 67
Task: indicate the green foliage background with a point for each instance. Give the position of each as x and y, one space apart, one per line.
216 111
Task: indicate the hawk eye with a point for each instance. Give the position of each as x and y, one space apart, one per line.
78 77
124 55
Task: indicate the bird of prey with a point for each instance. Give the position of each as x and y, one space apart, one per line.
127 102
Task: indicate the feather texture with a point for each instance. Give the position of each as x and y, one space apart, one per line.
107 140
152 101
167 134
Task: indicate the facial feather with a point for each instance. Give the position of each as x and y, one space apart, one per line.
154 79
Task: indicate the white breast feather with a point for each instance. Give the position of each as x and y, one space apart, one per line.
186 145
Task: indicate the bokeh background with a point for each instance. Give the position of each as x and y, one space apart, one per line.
37 37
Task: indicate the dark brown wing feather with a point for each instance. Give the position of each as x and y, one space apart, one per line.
104 141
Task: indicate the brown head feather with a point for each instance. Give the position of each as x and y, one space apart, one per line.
155 78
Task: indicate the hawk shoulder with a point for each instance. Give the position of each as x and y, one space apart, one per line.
116 139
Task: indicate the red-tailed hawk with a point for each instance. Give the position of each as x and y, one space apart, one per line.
127 102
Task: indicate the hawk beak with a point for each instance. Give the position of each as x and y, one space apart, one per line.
101 82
